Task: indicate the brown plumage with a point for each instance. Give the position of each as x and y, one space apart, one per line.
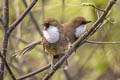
57 48
70 27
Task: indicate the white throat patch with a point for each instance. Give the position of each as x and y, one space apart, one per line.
51 34
80 30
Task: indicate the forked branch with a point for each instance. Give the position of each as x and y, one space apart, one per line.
14 25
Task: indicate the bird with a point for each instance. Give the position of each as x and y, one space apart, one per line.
54 40
75 27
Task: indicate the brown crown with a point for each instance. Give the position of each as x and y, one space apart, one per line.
82 19
45 21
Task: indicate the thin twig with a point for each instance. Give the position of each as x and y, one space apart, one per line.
97 8
97 42
97 13
34 72
81 40
7 66
33 20
13 26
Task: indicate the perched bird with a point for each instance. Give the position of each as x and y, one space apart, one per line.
75 28
54 40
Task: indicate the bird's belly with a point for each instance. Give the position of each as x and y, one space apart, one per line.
55 49
51 49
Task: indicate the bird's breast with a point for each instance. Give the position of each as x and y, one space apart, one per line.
51 34
80 30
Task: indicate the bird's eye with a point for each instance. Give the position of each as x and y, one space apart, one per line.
46 26
83 22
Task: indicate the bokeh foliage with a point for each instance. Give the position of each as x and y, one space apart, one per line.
104 62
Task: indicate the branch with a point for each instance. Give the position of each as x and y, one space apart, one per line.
34 72
33 20
97 42
81 40
5 41
13 26
6 13
92 5
7 66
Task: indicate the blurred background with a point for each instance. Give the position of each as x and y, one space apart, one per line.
90 62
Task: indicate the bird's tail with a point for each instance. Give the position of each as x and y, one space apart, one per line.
56 58
27 48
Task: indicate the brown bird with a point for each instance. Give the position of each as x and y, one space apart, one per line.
75 28
54 40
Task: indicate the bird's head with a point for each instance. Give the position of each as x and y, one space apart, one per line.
78 21
50 22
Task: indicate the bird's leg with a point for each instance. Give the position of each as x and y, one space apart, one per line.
66 54
55 58
52 64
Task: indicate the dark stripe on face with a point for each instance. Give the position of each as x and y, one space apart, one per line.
86 22
46 26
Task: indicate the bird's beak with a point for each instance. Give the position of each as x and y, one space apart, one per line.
88 21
